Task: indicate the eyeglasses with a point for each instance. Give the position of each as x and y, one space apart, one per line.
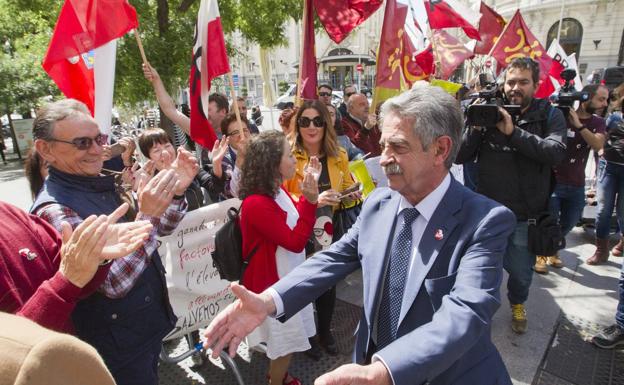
348 94
305 122
84 143
324 94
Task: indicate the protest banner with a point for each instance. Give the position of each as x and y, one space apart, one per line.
196 291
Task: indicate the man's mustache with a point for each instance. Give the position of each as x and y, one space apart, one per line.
392 169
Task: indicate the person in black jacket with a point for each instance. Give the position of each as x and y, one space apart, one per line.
515 162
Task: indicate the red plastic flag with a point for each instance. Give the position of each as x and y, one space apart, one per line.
452 14
518 41
450 52
339 17
307 72
83 26
209 61
491 26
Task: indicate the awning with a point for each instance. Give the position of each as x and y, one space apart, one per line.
344 60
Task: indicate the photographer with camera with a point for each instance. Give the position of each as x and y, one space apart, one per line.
515 162
585 130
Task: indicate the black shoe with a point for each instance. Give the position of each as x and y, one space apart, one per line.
315 350
329 343
609 338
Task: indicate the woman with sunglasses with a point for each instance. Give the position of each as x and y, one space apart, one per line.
277 229
314 136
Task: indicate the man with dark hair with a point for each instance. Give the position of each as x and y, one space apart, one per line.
325 93
515 168
217 109
242 108
347 91
585 130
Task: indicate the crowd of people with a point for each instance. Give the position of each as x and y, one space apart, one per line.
432 251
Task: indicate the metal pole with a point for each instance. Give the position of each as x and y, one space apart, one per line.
359 73
560 22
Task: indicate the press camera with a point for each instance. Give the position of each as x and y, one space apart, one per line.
484 110
567 95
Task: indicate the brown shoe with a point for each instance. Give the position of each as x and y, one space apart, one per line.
540 265
618 249
602 252
554 261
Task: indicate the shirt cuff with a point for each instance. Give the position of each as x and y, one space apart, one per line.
376 358
277 300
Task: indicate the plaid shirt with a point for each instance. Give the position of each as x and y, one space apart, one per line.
124 272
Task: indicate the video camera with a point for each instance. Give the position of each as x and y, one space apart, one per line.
564 100
484 110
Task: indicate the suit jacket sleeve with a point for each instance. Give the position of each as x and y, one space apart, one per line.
320 272
466 312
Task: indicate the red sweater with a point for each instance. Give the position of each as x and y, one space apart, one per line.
263 223
33 287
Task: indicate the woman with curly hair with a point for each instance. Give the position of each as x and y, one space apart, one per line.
277 229
313 135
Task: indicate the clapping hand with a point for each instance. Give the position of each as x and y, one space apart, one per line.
155 195
186 168
219 149
95 240
309 185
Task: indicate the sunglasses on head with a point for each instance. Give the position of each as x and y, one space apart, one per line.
84 143
325 94
305 122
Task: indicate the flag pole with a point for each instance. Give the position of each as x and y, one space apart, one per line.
298 99
140 44
235 102
560 22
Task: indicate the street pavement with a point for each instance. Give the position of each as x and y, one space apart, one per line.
585 294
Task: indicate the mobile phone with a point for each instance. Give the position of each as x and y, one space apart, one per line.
350 190
117 149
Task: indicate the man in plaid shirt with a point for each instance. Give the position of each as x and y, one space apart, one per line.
126 319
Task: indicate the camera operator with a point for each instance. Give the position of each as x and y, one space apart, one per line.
585 130
515 167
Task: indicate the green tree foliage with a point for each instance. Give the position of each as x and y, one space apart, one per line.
165 26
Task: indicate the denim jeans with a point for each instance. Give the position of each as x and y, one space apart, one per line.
566 204
619 315
518 262
610 190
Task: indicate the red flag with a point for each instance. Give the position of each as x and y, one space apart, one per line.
339 17
491 26
81 27
450 52
307 72
443 14
518 41
415 66
209 61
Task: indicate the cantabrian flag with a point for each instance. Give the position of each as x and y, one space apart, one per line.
490 27
209 60
398 63
449 53
518 41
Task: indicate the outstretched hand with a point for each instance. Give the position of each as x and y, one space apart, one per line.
124 238
237 320
353 374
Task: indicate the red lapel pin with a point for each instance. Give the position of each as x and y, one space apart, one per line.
439 234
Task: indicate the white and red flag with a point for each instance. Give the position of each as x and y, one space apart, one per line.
81 55
209 61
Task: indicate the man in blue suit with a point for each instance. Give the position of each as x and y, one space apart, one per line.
431 254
